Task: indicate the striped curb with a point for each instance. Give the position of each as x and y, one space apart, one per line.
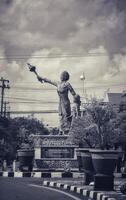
42 174
91 194
95 195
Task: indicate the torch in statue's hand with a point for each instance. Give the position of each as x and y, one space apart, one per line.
33 69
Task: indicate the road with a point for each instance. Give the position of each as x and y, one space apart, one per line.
31 188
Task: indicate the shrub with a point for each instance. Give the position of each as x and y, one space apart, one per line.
96 128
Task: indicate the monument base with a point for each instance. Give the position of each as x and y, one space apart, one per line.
54 153
56 165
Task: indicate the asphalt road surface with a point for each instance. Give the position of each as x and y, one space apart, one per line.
31 189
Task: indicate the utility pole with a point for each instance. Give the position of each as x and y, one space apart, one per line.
4 85
8 113
5 112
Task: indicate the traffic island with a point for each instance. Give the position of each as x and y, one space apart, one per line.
85 191
74 184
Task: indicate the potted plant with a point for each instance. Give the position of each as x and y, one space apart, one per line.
104 157
97 129
79 134
121 143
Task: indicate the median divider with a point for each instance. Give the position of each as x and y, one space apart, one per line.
70 183
95 195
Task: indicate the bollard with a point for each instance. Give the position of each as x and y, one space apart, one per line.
14 166
4 165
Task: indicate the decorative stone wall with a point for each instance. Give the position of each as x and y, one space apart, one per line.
55 152
56 164
52 140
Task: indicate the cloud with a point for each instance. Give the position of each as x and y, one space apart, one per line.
70 25
33 28
97 69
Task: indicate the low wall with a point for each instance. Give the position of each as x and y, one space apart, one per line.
54 152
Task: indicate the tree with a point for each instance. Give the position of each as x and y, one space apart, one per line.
54 131
28 126
13 132
96 127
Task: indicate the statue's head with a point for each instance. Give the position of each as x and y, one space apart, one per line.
77 99
64 76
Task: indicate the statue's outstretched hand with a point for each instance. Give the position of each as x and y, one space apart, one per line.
40 79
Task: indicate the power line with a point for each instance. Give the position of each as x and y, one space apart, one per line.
53 89
34 112
36 83
27 99
29 102
21 98
41 111
54 56
30 88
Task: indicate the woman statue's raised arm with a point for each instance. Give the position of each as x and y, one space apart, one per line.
41 79
45 80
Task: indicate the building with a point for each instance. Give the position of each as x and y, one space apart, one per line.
118 100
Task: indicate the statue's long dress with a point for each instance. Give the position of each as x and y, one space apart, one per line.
64 103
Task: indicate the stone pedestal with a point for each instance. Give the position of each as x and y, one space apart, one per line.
55 153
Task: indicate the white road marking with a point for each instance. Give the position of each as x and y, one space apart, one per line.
56 190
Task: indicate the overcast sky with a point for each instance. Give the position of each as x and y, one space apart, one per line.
93 29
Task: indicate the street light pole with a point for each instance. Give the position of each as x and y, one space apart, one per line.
82 77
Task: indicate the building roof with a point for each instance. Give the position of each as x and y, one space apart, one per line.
116 98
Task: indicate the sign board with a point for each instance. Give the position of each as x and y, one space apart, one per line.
57 152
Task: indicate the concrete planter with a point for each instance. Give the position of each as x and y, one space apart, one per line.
78 153
25 157
104 162
85 161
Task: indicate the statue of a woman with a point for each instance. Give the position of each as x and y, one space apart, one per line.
63 87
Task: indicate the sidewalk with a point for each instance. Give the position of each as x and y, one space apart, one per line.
77 185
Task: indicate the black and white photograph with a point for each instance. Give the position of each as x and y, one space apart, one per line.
63 100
